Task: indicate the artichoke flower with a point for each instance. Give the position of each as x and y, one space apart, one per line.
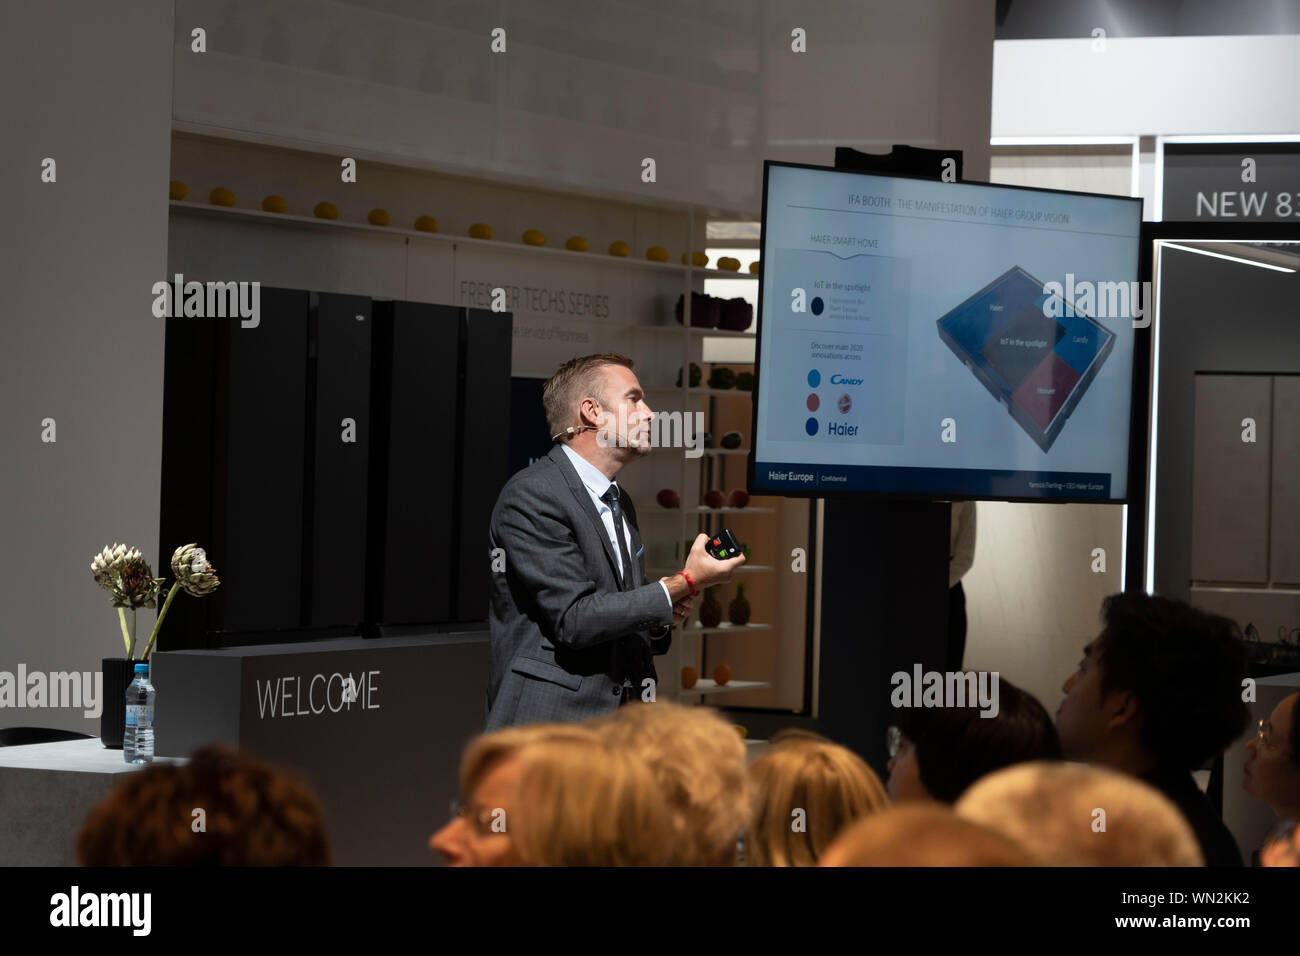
193 572
108 564
136 585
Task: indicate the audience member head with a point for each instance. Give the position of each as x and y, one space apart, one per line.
943 750
1070 814
805 777
698 760
1272 771
253 815
1159 689
489 770
923 835
583 802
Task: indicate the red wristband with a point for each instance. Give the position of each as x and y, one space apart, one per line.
694 591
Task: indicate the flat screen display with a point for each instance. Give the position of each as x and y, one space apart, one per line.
948 340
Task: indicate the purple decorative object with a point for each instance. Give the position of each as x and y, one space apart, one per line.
737 315
704 311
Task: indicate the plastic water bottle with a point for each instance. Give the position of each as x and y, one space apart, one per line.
137 742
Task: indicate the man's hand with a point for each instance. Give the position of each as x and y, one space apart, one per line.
705 569
682 610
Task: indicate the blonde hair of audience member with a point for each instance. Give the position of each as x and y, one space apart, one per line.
830 785
698 760
584 803
489 771
1056 811
923 834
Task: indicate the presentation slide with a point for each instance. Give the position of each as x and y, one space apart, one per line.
943 339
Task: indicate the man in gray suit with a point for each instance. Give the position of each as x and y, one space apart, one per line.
574 623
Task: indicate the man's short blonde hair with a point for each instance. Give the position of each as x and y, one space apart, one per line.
698 760
573 381
1071 814
580 802
802 773
926 834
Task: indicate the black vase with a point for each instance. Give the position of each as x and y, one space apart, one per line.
118 674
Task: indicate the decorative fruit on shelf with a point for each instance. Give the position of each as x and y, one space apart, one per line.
667 498
710 609
534 237
576 244
657 254
326 210
739 498
732 440
744 549
689 676
729 263
721 674
275 204
379 217
620 248
696 373
698 259
722 377
753 267
713 498
177 189
426 224
480 230
738 612
742 730
221 197
745 381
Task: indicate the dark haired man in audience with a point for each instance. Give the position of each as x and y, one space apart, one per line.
1156 695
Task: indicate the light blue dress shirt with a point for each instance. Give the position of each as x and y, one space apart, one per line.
597 484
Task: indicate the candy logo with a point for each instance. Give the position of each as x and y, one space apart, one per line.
845 404
841 380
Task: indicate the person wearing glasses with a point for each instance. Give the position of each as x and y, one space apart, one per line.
935 753
1272 774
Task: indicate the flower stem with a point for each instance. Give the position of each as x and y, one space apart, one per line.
126 638
158 624
131 649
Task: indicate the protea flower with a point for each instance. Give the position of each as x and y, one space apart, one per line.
193 572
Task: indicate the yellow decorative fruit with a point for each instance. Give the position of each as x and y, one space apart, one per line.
379 217
534 238
689 676
221 197
657 254
177 189
576 244
729 263
480 230
619 248
699 259
753 267
683 258
740 729
426 224
326 210
721 674
275 204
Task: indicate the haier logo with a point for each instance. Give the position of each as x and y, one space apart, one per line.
841 380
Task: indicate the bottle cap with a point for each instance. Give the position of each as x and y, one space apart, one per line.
142 668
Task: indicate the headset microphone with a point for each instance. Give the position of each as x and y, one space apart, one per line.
571 431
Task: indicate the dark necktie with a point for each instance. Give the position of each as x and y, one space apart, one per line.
611 497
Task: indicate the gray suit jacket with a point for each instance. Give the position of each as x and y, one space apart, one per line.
564 637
